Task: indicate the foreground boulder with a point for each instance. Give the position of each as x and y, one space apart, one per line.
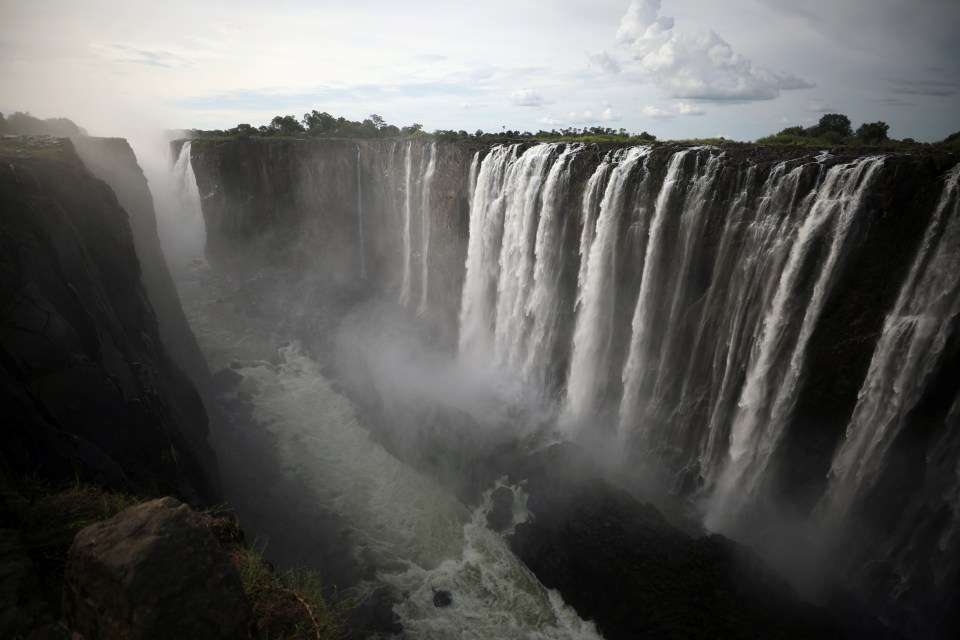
153 571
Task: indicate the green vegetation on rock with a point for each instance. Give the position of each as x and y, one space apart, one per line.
287 604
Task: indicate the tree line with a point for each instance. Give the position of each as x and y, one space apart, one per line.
836 129
317 124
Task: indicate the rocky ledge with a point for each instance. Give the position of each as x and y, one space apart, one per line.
153 571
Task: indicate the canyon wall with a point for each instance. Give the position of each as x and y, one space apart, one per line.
728 324
89 390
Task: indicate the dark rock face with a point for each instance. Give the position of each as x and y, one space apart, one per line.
225 379
22 607
442 598
87 387
113 161
500 516
622 564
153 571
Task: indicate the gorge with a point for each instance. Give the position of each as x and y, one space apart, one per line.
764 338
554 390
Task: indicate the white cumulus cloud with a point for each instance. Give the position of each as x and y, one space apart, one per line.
527 98
608 115
651 111
604 61
702 66
687 109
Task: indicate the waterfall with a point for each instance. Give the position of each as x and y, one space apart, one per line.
363 259
596 288
769 393
407 250
483 254
653 374
543 302
675 309
417 185
510 293
188 233
744 280
913 338
638 367
523 201
427 181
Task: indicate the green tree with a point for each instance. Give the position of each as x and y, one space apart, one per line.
792 131
285 126
243 130
318 123
872 132
833 122
951 141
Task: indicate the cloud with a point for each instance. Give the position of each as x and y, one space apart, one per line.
924 87
604 61
527 98
818 106
702 67
651 111
687 109
894 102
138 55
608 115
464 105
549 120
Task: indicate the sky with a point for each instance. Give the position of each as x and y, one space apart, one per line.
740 69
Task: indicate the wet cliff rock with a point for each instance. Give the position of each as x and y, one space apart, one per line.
113 161
327 213
88 388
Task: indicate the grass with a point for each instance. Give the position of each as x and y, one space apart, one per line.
287 605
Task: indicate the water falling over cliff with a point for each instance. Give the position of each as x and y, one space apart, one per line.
729 325
184 238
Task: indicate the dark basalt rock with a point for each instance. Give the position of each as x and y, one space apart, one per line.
153 571
87 387
620 562
442 598
23 609
113 161
225 379
500 516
